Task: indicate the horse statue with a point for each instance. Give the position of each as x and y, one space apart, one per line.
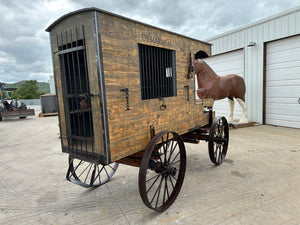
231 86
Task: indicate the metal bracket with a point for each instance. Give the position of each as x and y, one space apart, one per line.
126 90
152 131
188 92
191 67
88 95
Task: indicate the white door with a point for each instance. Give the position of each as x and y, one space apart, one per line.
228 63
283 82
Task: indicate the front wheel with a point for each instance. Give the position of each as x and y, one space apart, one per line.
162 171
218 140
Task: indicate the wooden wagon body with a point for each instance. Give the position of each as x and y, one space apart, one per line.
126 94
100 56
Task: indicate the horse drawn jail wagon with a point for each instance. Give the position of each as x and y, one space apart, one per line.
126 94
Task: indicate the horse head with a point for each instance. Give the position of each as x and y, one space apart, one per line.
201 67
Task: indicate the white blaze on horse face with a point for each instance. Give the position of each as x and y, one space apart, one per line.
231 107
244 119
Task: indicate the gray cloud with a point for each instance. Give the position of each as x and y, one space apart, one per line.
25 48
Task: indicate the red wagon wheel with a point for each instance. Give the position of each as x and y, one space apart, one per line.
162 170
218 140
89 174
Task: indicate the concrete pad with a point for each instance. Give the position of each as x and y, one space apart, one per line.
259 182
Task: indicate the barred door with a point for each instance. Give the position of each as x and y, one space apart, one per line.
76 93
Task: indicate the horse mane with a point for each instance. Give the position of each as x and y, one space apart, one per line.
209 71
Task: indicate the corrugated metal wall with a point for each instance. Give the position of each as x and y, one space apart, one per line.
276 27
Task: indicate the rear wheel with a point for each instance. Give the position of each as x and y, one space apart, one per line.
89 174
162 171
218 140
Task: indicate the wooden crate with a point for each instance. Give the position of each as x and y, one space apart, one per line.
108 46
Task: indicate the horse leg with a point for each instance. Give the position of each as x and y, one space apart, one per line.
242 103
231 108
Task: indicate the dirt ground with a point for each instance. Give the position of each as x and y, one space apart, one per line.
259 182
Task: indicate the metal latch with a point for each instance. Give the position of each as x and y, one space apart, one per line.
126 90
188 92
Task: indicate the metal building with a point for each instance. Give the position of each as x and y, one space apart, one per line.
267 54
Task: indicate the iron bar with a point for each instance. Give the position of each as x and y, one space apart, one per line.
77 48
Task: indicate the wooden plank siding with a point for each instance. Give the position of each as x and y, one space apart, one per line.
117 49
129 131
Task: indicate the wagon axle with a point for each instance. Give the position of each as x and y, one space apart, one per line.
165 169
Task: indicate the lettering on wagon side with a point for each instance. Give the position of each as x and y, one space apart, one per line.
156 39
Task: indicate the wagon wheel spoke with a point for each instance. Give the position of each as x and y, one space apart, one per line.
89 174
153 183
160 184
218 140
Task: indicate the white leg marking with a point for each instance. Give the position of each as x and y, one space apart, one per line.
244 119
231 107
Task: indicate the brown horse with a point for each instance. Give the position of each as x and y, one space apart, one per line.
210 85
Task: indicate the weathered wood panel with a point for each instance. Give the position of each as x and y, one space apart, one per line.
112 54
129 131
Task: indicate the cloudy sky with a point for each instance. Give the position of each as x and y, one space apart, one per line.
24 44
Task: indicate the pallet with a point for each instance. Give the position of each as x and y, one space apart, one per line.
48 114
235 124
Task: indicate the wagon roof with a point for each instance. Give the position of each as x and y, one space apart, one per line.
113 14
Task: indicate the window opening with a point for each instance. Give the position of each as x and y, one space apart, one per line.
157 72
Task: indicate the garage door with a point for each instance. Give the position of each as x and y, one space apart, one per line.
228 63
283 82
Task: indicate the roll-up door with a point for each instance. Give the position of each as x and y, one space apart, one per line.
283 82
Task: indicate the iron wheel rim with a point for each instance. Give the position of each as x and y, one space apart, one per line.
89 174
218 140
161 175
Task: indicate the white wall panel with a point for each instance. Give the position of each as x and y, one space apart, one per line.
298 22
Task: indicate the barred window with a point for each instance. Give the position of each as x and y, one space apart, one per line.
157 72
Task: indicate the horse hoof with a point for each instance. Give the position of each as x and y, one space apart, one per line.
229 119
243 121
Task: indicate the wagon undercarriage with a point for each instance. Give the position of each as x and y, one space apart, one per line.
162 164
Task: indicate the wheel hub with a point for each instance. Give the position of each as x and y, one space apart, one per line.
165 169
219 140
171 171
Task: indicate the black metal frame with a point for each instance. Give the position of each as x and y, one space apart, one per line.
76 94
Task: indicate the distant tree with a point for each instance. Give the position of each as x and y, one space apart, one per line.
29 90
11 94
